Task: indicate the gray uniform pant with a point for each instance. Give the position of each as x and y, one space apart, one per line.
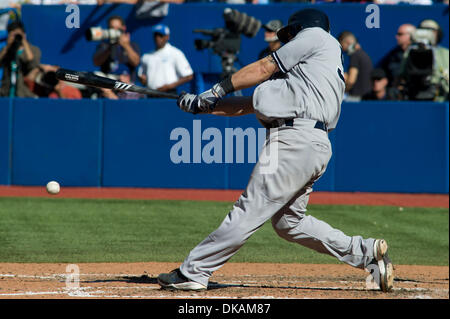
279 189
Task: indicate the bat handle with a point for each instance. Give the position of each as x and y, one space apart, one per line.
168 95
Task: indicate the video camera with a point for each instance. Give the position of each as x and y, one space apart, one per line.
99 34
424 36
419 66
226 42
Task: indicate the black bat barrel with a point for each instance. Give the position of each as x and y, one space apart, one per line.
90 79
85 78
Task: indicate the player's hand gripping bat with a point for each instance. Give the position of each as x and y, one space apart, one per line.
90 79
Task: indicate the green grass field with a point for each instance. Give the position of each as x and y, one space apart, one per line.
81 230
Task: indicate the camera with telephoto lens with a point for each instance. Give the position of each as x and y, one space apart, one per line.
11 54
99 34
226 42
16 43
419 66
18 39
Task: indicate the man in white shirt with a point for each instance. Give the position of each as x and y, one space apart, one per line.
166 68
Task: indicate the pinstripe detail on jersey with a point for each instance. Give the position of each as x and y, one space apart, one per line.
277 60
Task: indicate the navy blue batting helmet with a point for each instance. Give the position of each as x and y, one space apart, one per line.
306 18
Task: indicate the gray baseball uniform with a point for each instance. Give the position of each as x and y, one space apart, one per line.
299 104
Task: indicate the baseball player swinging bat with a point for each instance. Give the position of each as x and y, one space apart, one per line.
298 96
90 79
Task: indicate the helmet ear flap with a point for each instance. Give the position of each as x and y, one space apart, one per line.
283 34
288 32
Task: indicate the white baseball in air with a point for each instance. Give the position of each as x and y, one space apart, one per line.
53 187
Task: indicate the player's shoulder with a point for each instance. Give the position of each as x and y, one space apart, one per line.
318 39
317 34
314 31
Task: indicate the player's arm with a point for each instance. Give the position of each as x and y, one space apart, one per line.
234 106
254 73
246 77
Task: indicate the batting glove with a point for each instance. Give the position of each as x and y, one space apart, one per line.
205 102
188 103
208 100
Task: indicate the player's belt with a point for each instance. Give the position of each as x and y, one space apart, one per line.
280 123
321 125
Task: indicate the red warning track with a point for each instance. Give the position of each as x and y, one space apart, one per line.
325 198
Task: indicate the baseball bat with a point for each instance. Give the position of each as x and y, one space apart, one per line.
91 79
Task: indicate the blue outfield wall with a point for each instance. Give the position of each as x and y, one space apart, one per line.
392 146
5 140
377 147
137 147
54 140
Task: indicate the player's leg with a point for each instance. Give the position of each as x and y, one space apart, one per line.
292 224
299 158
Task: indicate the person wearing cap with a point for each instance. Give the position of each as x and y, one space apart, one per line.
441 54
114 58
270 36
380 90
440 74
166 67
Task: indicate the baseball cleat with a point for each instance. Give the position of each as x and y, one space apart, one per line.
386 273
175 280
386 269
379 249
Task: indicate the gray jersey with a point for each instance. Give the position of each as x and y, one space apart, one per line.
311 83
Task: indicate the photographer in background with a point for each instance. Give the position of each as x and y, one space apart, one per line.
47 85
19 60
391 62
270 36
117 53
425 67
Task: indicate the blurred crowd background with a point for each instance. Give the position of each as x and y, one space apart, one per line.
416 68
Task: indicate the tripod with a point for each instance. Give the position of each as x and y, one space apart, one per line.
228 60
